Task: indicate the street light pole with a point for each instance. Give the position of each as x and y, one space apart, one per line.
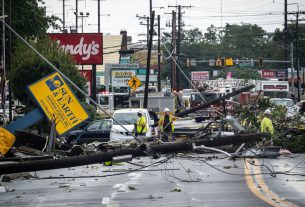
63 15
159 56
98 16
76 18
82 15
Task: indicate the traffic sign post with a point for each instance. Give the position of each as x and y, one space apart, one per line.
134 82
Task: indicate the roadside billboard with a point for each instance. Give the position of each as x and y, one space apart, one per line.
200 75
58 102
120 78
86 49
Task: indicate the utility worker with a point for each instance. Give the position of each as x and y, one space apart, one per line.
266 124
166 124
141 125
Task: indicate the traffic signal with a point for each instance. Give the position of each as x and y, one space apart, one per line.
229 62
260 62
187 62
223 62
218 62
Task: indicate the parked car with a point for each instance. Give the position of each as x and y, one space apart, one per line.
128 117
98 130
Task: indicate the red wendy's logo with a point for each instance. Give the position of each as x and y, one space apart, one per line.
85 48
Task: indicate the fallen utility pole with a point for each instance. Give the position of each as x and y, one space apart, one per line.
99 157
207 104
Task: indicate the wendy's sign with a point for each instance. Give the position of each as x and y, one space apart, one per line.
86 49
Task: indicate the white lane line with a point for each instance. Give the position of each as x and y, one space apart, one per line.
117 185
105 201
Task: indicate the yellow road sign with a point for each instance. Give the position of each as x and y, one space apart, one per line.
134 82
58 102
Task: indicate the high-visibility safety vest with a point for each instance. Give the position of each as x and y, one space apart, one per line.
7 140
140 124
267 126
171 118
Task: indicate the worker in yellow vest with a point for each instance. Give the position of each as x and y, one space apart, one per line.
141 125
266 124
166 125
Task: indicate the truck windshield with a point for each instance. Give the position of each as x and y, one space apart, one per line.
210 96
207 96
283 102
125 118
104 100
276 94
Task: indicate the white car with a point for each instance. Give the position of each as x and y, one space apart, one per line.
127 118
292 109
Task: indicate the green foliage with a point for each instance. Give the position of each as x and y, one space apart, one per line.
27 67
245 40
192 35
91 110
252 114
240 73
29 20
234 40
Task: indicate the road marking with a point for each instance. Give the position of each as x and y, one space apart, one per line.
117 185
258 187
105 201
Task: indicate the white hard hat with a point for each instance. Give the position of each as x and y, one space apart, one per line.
166 110
140 112
267 111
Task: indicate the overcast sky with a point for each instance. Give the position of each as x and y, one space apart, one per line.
266 13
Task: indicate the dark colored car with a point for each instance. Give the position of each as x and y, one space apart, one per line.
98 130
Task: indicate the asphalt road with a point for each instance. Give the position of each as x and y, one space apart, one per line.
180 181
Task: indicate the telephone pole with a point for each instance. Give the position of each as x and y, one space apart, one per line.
76 16
297 55
292 68
178 45
147 26
173 49
178 73
159 55
296 50
151 33
285 30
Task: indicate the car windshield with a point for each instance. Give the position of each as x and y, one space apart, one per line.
283 102
94 126
125 118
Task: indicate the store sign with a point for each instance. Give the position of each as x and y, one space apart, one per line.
86 49
58 102
282 74
200 75
88 75
270 74
120 78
